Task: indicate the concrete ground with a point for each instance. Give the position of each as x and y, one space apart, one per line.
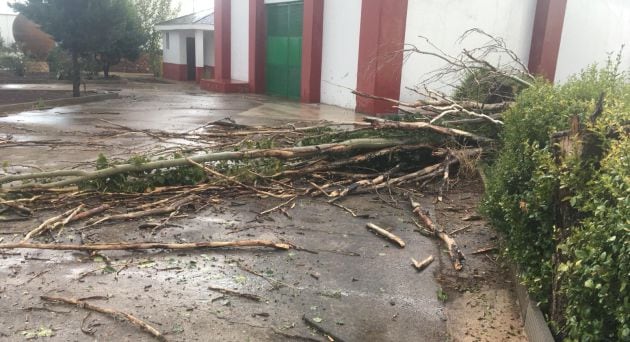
357 285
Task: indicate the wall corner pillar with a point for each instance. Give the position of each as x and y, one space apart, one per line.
381 44
222 40
257 45
312 44
546 37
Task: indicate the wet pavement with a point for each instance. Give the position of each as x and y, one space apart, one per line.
356 284
360 286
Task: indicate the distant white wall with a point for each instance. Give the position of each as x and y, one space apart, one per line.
240 40
340 52
199 49
444 21
6 28
208 43
171 50
591 30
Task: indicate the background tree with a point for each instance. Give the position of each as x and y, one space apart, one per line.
153 12
128 38
82 27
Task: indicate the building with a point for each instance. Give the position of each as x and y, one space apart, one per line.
6 27
188 45
318 50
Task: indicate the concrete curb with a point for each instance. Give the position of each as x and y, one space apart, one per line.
18 107
535 325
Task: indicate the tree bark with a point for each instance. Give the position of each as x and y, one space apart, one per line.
76 75
147 245
283 153
106 69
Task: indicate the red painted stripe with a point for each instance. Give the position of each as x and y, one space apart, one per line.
382 40
199 71
222 40
176 72
312 37
545 47
257 45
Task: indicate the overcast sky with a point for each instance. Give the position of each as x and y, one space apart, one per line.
188 6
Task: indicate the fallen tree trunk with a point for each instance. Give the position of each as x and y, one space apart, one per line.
453 250
130 318
283 153
382 124
147 245
354 160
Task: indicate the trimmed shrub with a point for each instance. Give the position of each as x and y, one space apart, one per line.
521 201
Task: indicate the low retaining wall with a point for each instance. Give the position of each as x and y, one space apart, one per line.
535 325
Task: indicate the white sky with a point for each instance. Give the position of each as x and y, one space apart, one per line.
4 7
188 6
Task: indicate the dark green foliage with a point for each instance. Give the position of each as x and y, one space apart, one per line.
128 39
487 87
597 274
520 202
82 27
153 12
11 58
145 180
59 63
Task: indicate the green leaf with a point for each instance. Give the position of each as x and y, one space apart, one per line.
589 283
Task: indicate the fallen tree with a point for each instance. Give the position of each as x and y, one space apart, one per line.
424 147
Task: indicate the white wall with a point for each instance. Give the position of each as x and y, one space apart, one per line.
171 54
340 53
208 44
592 29
6 28
199 49
240 40
443 22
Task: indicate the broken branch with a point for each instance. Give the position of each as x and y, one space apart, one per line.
453 250
421 265
130 318
386 234
146 245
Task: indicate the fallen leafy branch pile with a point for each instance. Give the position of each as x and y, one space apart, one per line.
284 163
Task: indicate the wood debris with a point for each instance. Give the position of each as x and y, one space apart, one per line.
453 250
115 313
421 265
382 232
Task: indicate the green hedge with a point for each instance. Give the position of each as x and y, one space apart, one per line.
520 195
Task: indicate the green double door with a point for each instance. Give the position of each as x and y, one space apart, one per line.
284 49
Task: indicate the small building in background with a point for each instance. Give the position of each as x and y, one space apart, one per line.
6 27
188 47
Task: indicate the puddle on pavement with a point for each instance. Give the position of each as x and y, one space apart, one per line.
45 117
13 86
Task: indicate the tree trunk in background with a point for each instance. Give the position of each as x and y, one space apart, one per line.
76 75
106 69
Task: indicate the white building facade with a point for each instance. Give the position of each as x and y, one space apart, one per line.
6 28
317 51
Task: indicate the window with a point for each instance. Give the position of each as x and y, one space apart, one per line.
167 40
